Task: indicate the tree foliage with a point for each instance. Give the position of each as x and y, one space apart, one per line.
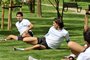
6 2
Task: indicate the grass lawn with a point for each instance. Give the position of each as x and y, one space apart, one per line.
73 23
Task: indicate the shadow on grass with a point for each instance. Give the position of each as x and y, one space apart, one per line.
73 27
83 1
8 32
63 49
49 14
41 29
73 15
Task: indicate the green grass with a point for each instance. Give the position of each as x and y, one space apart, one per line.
73 23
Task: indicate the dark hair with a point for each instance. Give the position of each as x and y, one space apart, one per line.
87 35
59 22
19 13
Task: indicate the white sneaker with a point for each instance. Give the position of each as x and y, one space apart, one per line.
5 39
31 58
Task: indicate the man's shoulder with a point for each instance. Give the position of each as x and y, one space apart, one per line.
26 19
64 30
17 22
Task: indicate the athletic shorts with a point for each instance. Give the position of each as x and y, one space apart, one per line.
21 38
30 33
42 41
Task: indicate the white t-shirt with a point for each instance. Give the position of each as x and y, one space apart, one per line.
84 55
55 37
23 25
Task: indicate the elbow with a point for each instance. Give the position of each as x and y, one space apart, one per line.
31 26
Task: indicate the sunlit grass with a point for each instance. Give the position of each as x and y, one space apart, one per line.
73 23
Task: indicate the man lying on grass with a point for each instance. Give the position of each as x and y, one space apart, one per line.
51 40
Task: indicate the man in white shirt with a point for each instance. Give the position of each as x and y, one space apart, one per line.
82 52
52 39
85 55
24 27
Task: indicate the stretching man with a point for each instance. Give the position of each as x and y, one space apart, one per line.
81 52
52 39
24 27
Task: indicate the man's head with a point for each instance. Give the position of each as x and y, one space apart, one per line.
87 36
58 23
19 16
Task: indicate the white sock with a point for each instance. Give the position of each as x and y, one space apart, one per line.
19 49
31 58
73 55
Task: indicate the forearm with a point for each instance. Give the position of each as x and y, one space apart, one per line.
86 23
30 27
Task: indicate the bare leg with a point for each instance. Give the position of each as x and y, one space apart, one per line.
75 47
31 40
25 35
38 46
12 37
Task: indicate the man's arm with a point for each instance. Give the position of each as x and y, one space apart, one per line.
30 26
67 37
85 23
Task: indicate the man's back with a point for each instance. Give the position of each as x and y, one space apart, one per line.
84 55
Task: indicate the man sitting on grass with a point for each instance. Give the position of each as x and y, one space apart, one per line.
24 27
81 52
52 39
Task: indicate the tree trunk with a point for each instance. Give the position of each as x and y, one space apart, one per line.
39 12
2 20
31 4
57 8
9 15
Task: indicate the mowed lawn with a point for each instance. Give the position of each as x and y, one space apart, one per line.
73 22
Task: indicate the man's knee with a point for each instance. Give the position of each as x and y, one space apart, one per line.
24 39
70 43
75 47
11 37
